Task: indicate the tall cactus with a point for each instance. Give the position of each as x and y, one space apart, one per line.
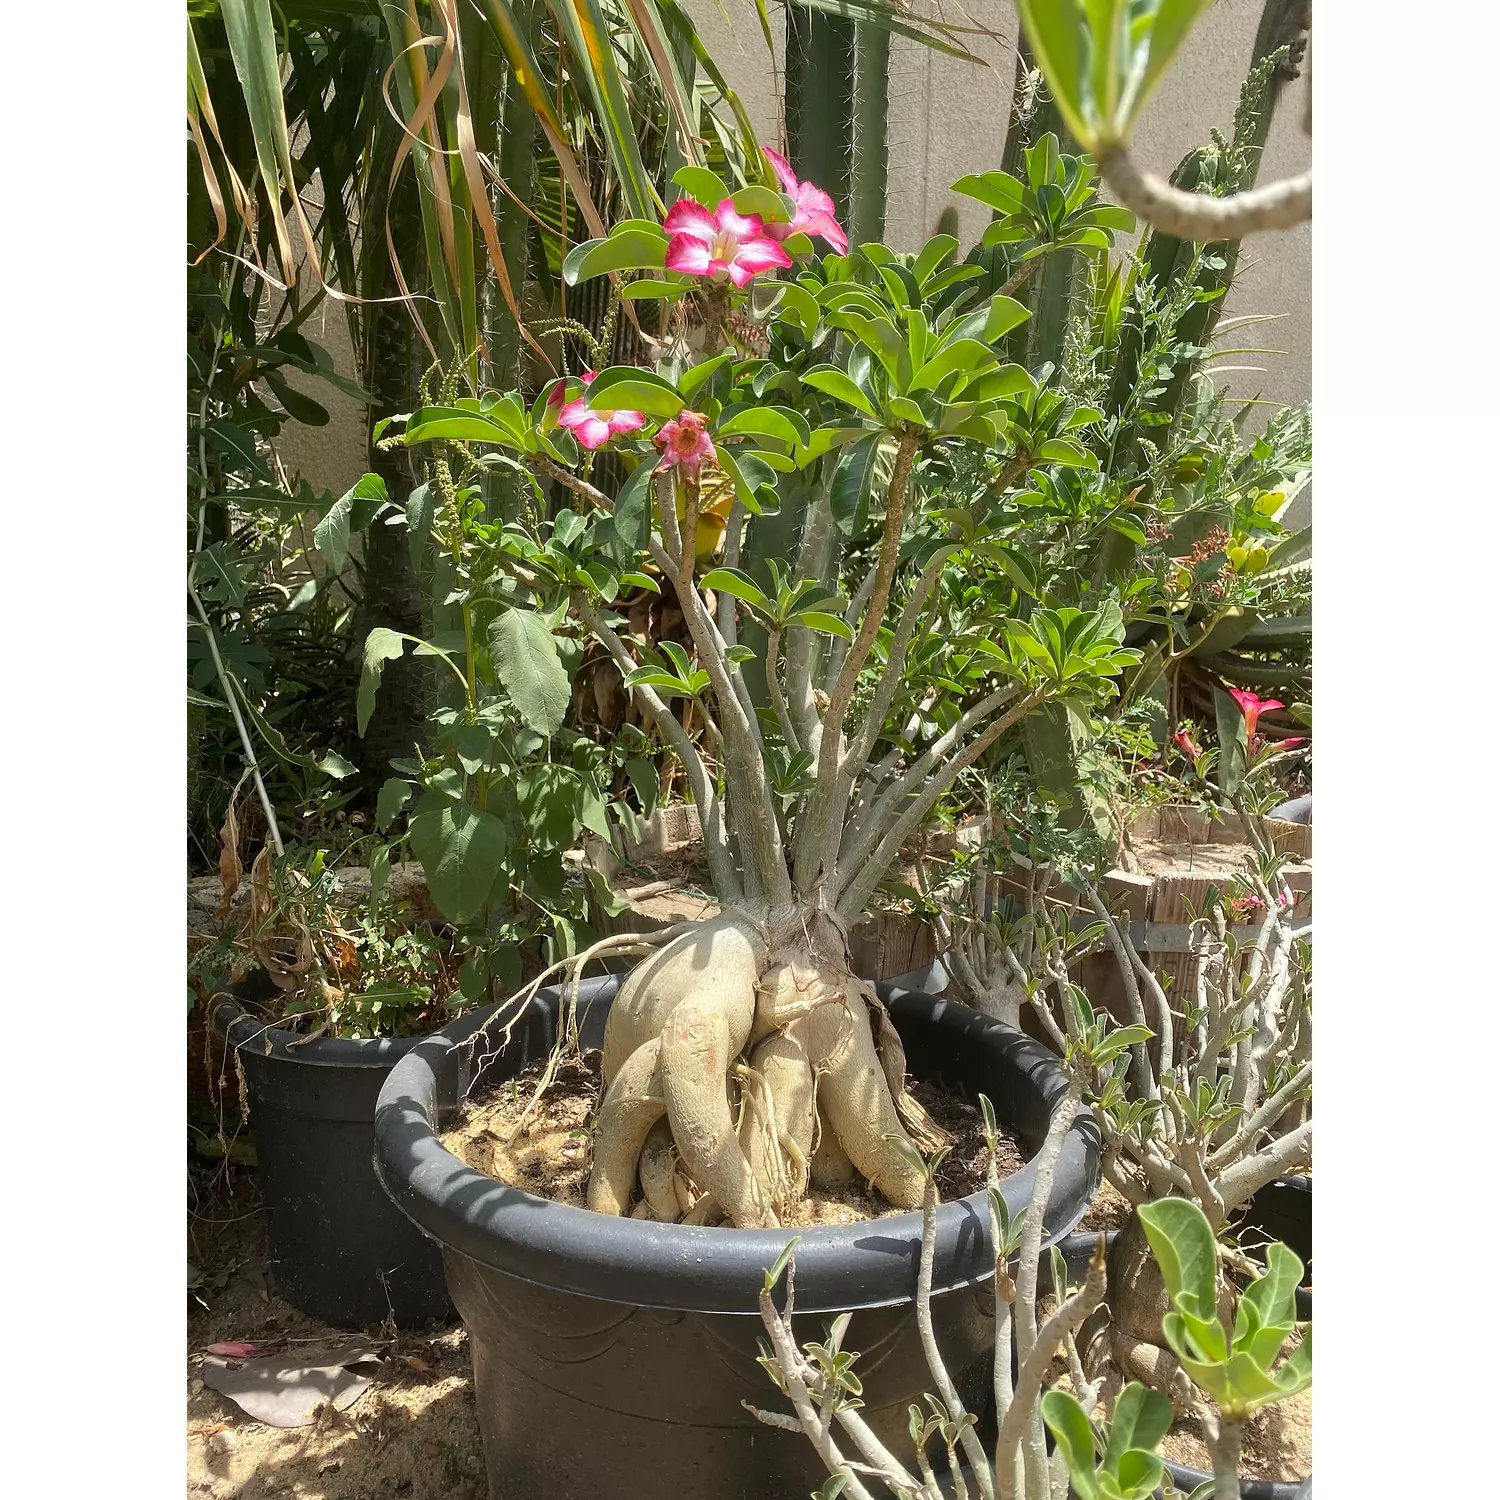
820 99
868 138
837 105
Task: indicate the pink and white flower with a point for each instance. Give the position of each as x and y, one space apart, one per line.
592 428
814 207
723 243
684 443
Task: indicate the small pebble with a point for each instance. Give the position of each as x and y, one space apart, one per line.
223 1442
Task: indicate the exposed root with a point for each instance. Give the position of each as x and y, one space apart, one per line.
658 1174
632 1104
773 1066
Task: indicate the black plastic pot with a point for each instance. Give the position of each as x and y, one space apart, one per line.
339 1249
612 1356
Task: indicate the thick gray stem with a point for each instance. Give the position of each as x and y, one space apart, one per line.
1197 216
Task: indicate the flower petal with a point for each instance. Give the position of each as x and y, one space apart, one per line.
742 226
813 200
687 216
783 169
828 227
592 432
624 421
689 254
759 254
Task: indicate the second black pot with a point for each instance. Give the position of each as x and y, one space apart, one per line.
340 1250
612 1356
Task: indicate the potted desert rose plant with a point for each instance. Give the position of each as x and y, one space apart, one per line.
742 1058
1210 1102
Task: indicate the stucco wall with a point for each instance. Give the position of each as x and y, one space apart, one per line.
947 118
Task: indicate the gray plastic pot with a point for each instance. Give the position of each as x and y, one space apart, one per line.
340 1251
612 1356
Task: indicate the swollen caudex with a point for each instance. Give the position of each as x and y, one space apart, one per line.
741 1062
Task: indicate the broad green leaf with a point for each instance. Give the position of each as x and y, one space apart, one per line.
460 426
645 290
966 355
380 870
1173 21
625 388
816 619
419 509
756 199
1271 1298
461 850
835 383
748 474
1183 1245
528 667
1142 1418
798 305
741 585
634 250
631 522
1057 30
998 190
702 186
776 422
381 646
1139 1474
394 793
1075 1439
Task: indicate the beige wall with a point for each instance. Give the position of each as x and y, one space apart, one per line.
948 118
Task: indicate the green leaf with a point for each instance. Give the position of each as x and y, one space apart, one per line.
1183 1244
1069 1425
741 585
702 186
1142 1418
462 850
834 382
529 668
631 389
816 619
1271 1298
966 355
776 422
779 1265
393 797
381 646
298 406
998 190
460 426
632 250
647 289
1056 30
756 199
380 870
419 511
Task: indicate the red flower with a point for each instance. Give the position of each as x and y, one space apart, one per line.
1252 707
1185 742
723 243
684 443
814 208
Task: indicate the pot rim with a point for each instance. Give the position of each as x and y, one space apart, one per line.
264 1039
691 1268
